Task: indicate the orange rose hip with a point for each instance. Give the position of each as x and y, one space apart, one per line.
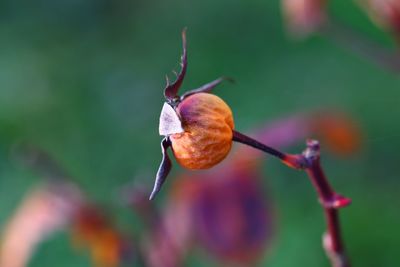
207 138
197 125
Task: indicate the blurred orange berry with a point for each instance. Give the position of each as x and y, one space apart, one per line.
337 132
106 249
87 223
91 230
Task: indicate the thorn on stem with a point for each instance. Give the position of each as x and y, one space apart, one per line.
298 162
341 202
337 202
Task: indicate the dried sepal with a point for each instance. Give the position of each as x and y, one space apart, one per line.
171 90
164 169
169 121
207 88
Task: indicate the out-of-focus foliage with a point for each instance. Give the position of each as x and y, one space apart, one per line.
84 80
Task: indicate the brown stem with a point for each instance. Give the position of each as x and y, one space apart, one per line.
331 202
309 161
293 161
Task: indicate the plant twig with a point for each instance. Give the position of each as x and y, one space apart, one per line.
331 202
309 161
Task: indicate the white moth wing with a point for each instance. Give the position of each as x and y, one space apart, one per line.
169 121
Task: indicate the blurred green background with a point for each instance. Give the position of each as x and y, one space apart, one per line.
84 80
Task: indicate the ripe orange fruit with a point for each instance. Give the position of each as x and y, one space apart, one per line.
207 122
197 125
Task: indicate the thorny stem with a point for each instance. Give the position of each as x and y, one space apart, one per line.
331 202
309 161
355 42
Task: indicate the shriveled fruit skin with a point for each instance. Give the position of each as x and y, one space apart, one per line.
208 124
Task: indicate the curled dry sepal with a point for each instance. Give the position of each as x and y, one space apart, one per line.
199 126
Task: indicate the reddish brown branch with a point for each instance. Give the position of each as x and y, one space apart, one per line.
309 161
331 202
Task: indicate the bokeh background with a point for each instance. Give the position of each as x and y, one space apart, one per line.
84 80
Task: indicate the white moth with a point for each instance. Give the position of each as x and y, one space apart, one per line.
169 121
